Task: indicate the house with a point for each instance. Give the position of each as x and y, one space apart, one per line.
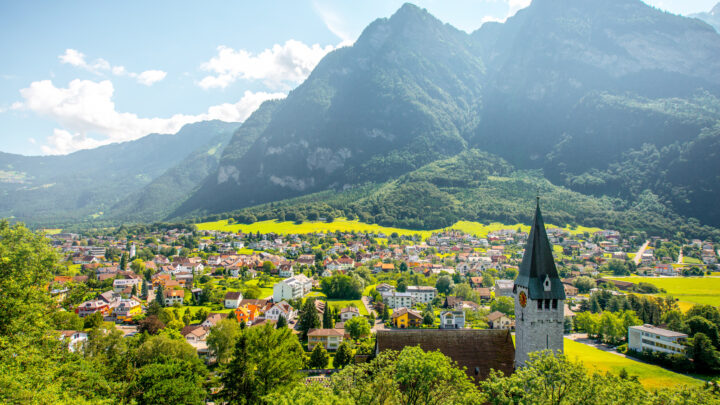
213 319
348 313
394 299
120 284
498 320
195 333
406 318
126 309
283 309
329 338
665 270
232 299
292 288
476 350
453 302
654 339
422 293
452 320
173 296
92 306
286 270
504 288
484 293
570 290
383 288
476 282
247 313
380 267
74 338
621 285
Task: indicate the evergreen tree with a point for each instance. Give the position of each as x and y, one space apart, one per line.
595 305
327 320
239 380
123 261
160 295
281 323
133 293
309 318
385 313
344 355
144 290
319 358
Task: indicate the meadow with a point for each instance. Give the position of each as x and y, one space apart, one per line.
689 290
649 375
343 224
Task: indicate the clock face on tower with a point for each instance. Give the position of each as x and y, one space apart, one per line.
523 299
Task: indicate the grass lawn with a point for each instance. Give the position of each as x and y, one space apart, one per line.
692 260
194 309
340 304
264 291
650 376
367 289
343 224
51 231
692 290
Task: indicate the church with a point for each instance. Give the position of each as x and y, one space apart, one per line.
539 318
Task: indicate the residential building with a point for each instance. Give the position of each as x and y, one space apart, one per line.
126 309
383 288
498 320
452 320
120 284
406 318
504 288
654 339
422 294
173 296
394 299
283 309
92 306
348 313
286 270
232 299
74 338
247 313
329 338
292 288
194 334
213 319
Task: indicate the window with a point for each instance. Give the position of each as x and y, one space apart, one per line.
539 304
554 304
547 304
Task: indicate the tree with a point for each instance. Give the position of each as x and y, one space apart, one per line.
222 337
138 266
268 267
444 284
584 284
264 359
319 358
698 324
133 292
151 325
160 295
93 320
704 354
428 318
281 322
402 286
171 382
506 305
123 261
342 286
309 318
343 356
385 313
357 327
328 321
144 290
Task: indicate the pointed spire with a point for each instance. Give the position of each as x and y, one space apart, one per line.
538 263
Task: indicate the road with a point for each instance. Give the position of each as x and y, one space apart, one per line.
379 324
680 257
638 255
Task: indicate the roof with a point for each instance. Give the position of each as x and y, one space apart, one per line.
233 295
538 264
659 331
475 349
325 332
402 311
495 316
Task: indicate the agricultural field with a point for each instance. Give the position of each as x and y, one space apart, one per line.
343 224
649 375
689 290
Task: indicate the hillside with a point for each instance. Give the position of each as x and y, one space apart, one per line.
82 185
712 17
615 99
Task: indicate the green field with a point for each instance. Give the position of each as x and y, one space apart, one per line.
650 376
339 304
264 291
695 290
342 224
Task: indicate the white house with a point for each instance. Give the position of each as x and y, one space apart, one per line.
452 319
648 337
394 299
286 270
348 313
292 288
121 284
74 338
232 299
283 309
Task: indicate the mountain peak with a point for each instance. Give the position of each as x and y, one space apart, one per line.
715 12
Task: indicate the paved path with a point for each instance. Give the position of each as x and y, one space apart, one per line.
680 257
638 255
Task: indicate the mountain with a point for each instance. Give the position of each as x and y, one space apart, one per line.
86 184
712 17
611 99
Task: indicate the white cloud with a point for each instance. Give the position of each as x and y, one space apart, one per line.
98 66
279 67
516 5
88 117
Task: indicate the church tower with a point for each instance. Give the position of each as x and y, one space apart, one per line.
539 297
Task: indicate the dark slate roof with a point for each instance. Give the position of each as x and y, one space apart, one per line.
474 349
538 263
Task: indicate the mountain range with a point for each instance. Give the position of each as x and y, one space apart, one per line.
712 17
610 108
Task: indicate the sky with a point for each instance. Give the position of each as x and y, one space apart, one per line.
81 74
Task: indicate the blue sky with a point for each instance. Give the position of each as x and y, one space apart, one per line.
79 74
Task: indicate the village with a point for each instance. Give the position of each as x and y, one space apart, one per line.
335 287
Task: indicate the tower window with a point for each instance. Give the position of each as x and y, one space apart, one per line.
554 304
547 304
539 302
